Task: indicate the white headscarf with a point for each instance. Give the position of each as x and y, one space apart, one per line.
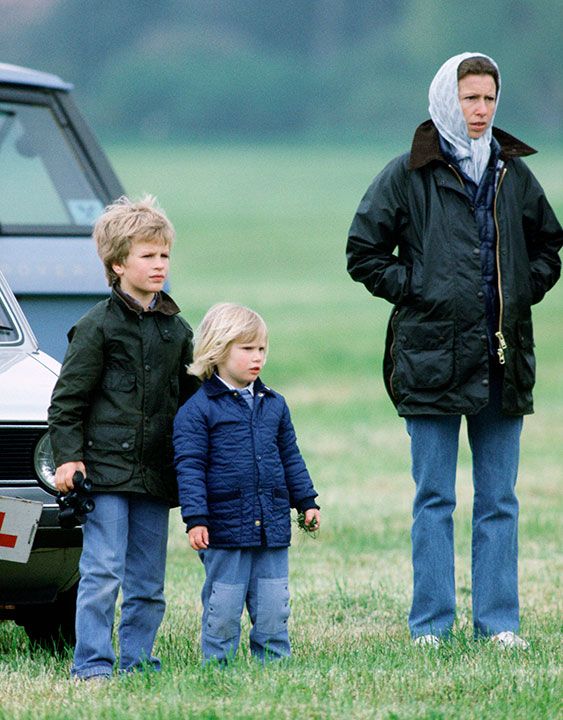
446 113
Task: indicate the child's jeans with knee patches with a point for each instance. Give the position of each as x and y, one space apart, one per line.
257 577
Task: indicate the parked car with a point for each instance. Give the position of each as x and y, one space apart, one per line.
55 180
39 594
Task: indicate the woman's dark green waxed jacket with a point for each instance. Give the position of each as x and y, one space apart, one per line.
122 381
414 241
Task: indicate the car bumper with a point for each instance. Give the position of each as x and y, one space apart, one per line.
53 563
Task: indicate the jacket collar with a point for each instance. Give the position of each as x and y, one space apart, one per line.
426 146
164 303
214 387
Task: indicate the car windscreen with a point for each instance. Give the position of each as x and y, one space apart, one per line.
43 182
10 332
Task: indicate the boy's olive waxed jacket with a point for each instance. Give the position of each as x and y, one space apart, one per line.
414 241
122 381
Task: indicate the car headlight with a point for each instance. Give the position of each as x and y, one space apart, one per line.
45 464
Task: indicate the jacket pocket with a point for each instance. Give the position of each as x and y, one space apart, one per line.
425 355
223 497
281 495
225 517
525 361
110 451
118 380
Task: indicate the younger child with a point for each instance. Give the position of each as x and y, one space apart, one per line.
122 381
239 473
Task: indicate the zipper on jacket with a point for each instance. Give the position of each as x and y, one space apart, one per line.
499 334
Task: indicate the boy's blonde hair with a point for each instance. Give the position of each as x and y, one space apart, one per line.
224 324
127 221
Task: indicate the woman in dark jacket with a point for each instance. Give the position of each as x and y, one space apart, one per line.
459 236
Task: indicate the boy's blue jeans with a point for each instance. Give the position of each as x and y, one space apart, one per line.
257 577
494 439
124 546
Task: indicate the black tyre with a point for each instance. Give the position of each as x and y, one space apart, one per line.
51 625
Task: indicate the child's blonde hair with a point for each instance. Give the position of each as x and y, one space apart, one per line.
127 221
224 324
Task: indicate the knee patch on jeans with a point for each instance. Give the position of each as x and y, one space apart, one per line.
272 610
224 609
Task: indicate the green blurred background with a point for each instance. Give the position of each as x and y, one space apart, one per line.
259 124
344 70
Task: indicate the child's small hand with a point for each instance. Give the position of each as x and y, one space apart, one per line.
198 537
312 519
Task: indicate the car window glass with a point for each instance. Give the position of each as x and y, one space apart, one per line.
42 181
10 333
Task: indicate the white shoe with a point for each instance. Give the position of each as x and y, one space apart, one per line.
430 640
509 639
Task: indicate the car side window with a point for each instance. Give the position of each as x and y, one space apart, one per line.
35 153
9 331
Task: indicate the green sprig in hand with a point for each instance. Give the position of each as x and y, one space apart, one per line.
312 527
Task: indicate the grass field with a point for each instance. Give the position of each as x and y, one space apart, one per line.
267 227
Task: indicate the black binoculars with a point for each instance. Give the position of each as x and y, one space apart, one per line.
76 504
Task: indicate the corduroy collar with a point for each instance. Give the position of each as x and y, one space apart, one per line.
426 146
164 303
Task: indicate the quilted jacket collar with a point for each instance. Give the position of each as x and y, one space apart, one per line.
214 387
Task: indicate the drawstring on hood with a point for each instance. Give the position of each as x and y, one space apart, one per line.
446 113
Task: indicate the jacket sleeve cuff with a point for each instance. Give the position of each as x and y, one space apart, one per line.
194 520
307 504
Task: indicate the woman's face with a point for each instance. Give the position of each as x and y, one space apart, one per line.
477 97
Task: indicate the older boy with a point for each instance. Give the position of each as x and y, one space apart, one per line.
122 380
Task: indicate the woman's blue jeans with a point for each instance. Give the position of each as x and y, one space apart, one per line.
124 546
255 577
494 439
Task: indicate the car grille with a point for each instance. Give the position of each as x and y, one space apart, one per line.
17 446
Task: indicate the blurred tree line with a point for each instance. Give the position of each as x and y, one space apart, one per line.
252 69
